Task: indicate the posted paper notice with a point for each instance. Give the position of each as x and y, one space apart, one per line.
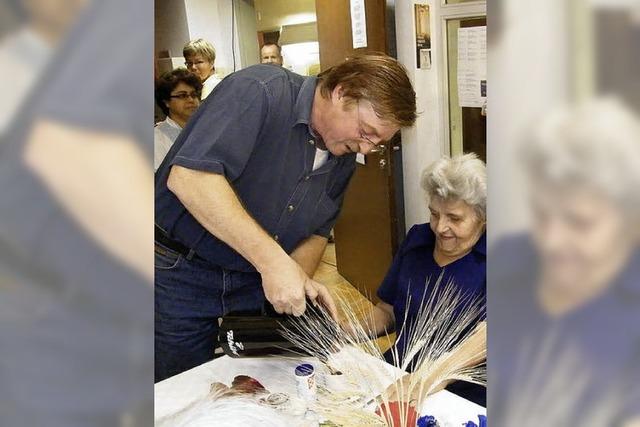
472 66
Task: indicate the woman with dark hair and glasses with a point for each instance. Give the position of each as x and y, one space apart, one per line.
178 95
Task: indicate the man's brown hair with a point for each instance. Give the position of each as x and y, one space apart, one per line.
378 78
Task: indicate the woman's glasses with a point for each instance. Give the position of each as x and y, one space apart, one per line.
183 96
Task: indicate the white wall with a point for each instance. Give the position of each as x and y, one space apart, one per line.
211 20
171 32
528 75
246 33
302 58
178 21
423 143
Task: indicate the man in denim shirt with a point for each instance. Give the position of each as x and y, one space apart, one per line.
248 194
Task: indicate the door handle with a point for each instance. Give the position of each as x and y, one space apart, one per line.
380 149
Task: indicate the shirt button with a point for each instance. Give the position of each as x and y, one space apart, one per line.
276 237
306 178
290 208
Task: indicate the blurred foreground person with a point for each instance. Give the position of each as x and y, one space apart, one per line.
178 96
76 301
25 53
564 306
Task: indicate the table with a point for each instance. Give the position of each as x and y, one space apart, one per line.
276 374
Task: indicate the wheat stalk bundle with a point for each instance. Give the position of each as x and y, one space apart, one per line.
441 346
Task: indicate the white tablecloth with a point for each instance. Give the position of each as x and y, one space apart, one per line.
276 374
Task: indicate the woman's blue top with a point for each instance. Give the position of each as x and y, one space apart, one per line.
415 269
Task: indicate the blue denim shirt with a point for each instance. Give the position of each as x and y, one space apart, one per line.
254 129
414 268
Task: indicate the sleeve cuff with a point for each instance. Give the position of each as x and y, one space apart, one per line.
213 166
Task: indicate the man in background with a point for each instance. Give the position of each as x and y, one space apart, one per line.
271 53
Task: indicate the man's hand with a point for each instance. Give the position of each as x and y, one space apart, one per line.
318 293
287 286
284 288
213 203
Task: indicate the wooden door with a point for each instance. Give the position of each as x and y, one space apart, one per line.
366 233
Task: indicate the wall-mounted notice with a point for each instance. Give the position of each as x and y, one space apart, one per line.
423 36
358 24
472 66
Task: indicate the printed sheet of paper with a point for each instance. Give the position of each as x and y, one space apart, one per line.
358 24
472 66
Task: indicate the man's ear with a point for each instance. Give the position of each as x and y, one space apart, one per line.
338 93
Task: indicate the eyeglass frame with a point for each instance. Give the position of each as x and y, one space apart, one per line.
184 96
363 136
190 64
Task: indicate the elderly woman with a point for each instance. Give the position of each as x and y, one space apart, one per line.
199 58
178 96
565 297
452 246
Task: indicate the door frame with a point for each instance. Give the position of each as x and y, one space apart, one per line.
476 9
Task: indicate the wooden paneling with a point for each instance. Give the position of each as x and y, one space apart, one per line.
334 30
365 233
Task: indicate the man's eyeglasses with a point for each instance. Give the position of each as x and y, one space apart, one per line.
366 138
189 64
363 135
183 96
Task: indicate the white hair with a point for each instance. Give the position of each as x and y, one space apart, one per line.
595 146
462 177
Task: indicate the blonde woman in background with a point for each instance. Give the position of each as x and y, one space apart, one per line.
199 58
